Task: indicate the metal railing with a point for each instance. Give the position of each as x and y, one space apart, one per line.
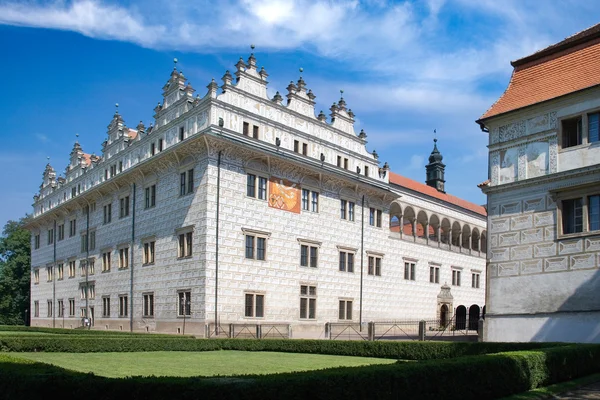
249 331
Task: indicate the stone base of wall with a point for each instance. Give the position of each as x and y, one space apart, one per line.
576 327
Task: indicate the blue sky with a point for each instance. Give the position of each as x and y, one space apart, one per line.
406 68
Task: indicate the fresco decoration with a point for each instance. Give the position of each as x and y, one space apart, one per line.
284 195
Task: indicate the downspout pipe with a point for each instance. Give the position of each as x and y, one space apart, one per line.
131 259
217 245
87 265
54 276
362 243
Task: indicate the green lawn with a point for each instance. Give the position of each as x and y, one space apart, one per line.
183 364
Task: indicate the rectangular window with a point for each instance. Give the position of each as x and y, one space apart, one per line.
246 129
92 240
60 272
571 132
72 268
308 302
251 185
61 232
148 305
152 149
309 256
61 308
185 244
346 263
256 247
120 166
186 182
49 302
123 309
409 271
345 163
254 305
310 200
594 212
475 280
314 202
160 145
374 266
572 215
36 276
150 197
251 189
124 209
375 217
296 146
434 274
262 188
343 208
345 310
339 161
106 261
49 274
366 170
36 241
305 148
149 252
184 303
107 213
106 306
91 266
255 132
84 244
181 134
71 307
36 309
593 127
50 236
92 291
455 277
305 199
72 227
350 211
124 257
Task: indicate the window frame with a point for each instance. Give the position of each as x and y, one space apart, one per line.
456 276
311 259
185 242
584 139
106 306
254 186
150 196
476 279
583 192
410 270
123 306
309 298
148 305
343 261
256 235
345 307
254 295
186 296
374 263
149 251
434 273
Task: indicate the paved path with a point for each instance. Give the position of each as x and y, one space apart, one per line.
588 392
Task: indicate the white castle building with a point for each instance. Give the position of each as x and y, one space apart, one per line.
544 197
238 208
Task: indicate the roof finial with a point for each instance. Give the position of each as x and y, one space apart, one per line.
48 158
117 108
301 71
252 47
434 136
342 93
175 63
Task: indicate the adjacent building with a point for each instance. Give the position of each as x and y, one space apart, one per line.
237 208
544 197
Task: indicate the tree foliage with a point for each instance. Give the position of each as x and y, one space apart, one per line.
15 276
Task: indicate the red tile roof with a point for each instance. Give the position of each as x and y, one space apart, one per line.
555 71
407 229
432 192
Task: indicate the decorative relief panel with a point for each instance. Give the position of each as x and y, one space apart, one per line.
521 252
494 210
544 218
556 264
507 170
511 208
592 244
500 254
531 267
521 222
550 203
508 269
550 233
537 159
582 261
495 163
494 240
500 225
553 155
512 131
552 120
493 270
508 239
537 204
568 247
544 250
494 136
532 235
522 170
537 124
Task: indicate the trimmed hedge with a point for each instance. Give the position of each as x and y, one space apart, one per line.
395 350
474 377
78 331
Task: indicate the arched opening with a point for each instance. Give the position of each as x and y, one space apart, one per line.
461 317
395 214
434 227
466 237
422 224
456 230
484 242
409 217
473 317
445 233
443 315
475 237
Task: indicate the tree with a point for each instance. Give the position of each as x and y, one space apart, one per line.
15 276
